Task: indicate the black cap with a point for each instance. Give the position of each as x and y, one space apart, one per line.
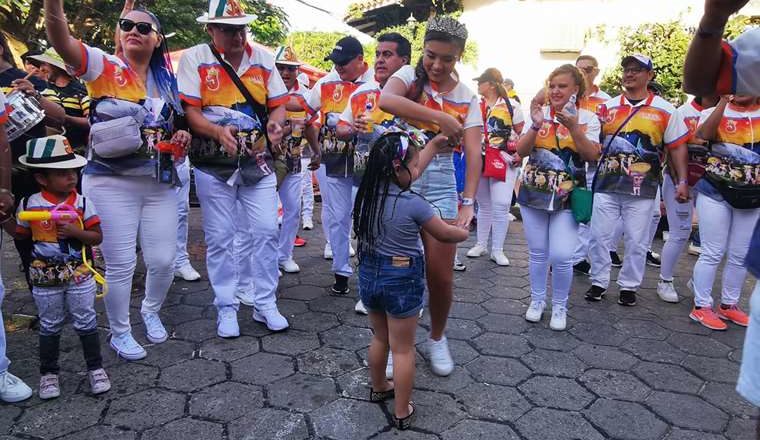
345 50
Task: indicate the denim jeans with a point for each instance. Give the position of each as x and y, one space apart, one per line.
392 285
438 186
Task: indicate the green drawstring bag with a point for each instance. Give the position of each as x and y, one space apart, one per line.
581 204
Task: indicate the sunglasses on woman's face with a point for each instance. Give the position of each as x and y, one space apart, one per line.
143 28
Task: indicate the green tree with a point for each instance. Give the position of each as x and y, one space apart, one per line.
94 21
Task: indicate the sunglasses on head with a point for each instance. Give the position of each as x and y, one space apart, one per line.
230 29
143 27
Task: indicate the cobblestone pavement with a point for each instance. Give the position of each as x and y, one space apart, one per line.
639 373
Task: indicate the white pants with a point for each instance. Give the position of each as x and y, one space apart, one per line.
308 191
324 194
4 362
290 196
126 205
582 244
242 250
551 238
183 207
635 214
336 208
724 230
655 222
679 227
259 207
494 197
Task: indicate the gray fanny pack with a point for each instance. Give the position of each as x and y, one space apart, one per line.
118 137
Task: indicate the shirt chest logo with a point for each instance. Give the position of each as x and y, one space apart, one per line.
337 95
119 77
212 79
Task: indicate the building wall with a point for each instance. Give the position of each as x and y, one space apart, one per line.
511 34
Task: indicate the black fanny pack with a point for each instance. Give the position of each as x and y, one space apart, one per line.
737 195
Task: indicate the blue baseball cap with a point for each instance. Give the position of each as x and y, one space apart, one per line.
642 60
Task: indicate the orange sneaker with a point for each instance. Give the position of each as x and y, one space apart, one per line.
707 317
299 242
734 314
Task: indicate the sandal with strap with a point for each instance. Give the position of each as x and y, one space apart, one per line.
379 396
405 423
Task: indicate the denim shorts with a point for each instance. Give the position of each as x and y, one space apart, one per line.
392 285
438 185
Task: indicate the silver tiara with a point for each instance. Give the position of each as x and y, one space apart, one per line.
447 25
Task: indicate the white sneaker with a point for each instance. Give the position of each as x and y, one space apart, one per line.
328 252
245 297
351 251
477 251
559 317
389 367
227 322
458 265
694 249
187 273
154 329
667 292
511 217
308 225
535 310
13 389
99 382
272 318
49 387
360 309
440 357
289 266
499 258
665 235
126 347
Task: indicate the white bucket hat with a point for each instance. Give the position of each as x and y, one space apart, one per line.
51 57
225 12
51 152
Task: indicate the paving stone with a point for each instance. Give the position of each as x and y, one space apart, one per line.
625 420
471 295
552 424
168 353
476 429
501 345
712 369
269 424
653 351
289 308
183 429
464 310
548 339
146 409
598 334
262 368
500 371
328 362
331 304
608 358
435 412
505 306
302 392
7 415
355 384
642 329
615 385
347 338
493 402
348 419
303 292
462 329
219 349
290 342
175 315
504 323
699 345
743 429
192 375
200 299
725 397
353 319
687 411
67 414
314 322
667 377
101 432
682 434
555 392
130 378
395 434
226 401
553 363
424 379
198 330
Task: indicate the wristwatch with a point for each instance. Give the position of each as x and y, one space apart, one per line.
468 201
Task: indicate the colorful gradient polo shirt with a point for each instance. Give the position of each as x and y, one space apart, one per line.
501 123
554 166
631 163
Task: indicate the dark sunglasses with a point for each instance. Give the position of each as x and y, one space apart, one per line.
143 28
229 29
287 67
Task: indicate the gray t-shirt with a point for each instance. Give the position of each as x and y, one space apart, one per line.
405 213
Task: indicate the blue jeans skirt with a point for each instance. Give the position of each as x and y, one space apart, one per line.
392 285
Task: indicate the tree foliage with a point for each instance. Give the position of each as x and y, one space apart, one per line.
667 44
94 21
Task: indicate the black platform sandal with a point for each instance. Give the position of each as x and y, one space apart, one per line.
379 396
405 423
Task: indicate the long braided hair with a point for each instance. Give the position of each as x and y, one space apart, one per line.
390 150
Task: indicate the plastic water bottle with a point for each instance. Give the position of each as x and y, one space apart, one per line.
570 108
367 110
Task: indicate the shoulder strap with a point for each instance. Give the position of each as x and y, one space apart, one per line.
620 128
258 108
511 109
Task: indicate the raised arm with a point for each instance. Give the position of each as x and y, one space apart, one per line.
708 129
59 36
